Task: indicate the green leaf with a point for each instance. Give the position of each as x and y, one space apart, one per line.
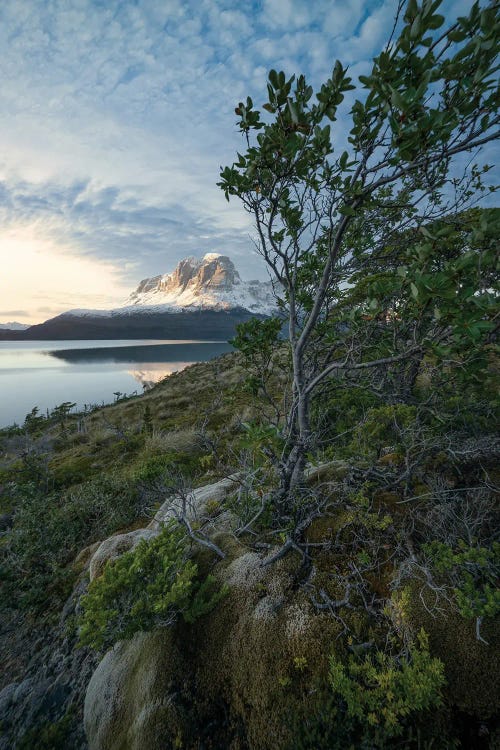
273 79
415 28
397 100
347 211
435 22
292 108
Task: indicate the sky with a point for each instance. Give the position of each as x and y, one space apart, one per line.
116 116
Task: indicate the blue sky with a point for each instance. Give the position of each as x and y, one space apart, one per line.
116 115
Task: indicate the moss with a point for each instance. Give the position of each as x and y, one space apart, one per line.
322 529
261 692
72 470
392 459
389 502
472 668
143 681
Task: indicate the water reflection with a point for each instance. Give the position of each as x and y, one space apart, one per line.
47 373
152 374
147 353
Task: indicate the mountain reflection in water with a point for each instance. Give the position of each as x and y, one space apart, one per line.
152 373
184 354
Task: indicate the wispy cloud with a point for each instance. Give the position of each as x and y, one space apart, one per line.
14 313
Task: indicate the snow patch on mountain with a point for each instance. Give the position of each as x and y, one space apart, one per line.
13 325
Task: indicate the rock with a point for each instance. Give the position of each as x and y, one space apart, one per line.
7 697
30 703
130 700
333 470
52 688
196 507
196 501
115 546
85 555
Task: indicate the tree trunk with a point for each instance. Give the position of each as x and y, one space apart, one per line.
299 439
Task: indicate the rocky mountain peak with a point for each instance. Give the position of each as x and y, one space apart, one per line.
214 271
211 282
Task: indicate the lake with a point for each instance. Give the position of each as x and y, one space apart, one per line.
47 373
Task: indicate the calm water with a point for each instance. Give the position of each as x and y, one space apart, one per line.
47 373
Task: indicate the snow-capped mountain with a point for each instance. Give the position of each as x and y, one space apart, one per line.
13 326
212 283
200 300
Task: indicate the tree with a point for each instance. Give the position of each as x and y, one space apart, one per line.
356 241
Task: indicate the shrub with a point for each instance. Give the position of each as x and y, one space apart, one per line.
380 696
155 467
384 425
51 527
145 588
473 571
48 736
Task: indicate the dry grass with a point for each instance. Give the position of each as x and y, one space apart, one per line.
160 441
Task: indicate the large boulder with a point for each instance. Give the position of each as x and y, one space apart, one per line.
115 546
194 504
131 698
233 679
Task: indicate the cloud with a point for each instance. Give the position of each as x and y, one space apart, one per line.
113 225
40 270
14 313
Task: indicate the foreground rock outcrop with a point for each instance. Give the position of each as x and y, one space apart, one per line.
234 679
252 671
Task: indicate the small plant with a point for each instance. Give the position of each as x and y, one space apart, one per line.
384 425
262 440
34 421
145 588
213 508
61 412
48 736
380 695
300 663
147 420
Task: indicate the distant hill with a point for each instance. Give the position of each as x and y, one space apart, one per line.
13 325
